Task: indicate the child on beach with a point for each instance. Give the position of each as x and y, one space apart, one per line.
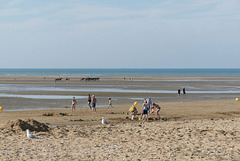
157 108
133 111
110 102
145 109
74 102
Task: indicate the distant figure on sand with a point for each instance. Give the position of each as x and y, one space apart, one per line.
183 90
145 109
110 102
179 91
74 102
94 102
89 101
156 108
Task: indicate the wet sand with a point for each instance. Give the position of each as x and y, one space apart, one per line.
195 129
16 92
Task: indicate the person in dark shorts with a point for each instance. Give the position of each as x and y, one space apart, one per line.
89 101
145 109
94 101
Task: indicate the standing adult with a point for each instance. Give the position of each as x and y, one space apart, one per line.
89 101
94 102
184 92
179 91
149 102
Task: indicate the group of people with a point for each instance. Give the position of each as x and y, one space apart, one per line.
92 101
148 108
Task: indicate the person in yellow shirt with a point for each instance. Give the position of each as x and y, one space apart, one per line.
133 110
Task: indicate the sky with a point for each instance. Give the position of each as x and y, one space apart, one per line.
120 34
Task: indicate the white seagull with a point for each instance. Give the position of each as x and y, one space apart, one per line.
31 136
104 122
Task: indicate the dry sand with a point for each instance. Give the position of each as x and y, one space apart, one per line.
205 130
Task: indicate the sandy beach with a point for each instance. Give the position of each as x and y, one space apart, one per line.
163 75
189 129
186 131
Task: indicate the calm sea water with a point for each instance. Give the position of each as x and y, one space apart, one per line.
233 72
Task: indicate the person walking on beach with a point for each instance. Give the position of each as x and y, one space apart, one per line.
74 102
179 92
94 101
145 109
89 101
184 92
110 102
157 108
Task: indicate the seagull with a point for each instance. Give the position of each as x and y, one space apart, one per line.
104 122
31 136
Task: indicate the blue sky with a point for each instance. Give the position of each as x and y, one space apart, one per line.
120 34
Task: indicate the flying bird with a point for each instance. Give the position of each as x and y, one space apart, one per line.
104 122
31 136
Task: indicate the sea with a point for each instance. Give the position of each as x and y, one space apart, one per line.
124 72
